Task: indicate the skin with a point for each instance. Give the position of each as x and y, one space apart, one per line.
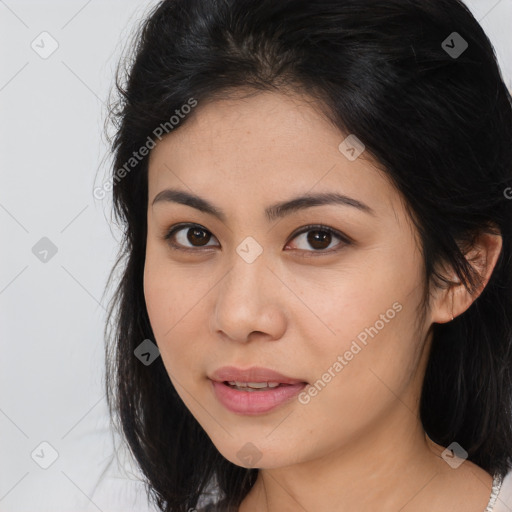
358 444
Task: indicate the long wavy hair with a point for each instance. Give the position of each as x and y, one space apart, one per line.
435 114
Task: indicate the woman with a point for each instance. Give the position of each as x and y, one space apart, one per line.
315 307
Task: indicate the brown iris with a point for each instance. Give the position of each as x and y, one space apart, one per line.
195 238
319 239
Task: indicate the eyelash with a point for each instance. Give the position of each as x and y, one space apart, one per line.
318 227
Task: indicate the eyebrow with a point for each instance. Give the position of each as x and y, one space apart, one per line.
273 212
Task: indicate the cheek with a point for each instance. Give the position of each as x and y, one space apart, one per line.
369 329
346 308
158 296
164 301
357 374
173 311
364 332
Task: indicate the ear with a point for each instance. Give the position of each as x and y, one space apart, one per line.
452 301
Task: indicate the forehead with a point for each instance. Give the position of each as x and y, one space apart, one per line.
263 121
263 145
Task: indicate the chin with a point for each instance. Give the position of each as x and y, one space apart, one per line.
251 454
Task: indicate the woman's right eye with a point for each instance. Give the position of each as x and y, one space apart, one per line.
178 237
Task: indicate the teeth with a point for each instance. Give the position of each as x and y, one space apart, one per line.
253 385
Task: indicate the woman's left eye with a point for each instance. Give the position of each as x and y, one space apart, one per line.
317 237
320 238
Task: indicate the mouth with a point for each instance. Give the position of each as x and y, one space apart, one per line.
254 386
255 376
254 390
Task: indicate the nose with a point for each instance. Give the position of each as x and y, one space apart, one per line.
249 303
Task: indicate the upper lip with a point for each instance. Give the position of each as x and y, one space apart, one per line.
253 374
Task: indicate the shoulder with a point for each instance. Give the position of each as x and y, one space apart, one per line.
504 499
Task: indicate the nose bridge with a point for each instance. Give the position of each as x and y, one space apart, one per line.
246 299
242 289
248 270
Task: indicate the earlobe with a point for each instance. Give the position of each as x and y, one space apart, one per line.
449 304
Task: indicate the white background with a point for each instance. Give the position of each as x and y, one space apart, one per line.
52 155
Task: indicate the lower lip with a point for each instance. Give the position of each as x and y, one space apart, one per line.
254 402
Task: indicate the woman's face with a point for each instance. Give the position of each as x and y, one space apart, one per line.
334 312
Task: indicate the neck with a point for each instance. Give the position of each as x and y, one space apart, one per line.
391 468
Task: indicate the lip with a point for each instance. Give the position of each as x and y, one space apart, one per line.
253 402
253 374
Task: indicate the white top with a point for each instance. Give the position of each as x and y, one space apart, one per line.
501 495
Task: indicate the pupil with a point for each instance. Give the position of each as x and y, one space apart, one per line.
317 241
